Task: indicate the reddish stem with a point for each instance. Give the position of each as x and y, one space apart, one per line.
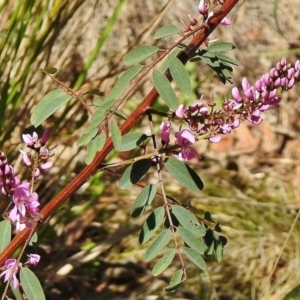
132 120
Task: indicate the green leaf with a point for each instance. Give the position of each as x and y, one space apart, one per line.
223 240
91 151
158 244
221 47
209 242
180 74
139 54
195 257
48 105
184 174
33 239
132 140
143 200
175 282
164 31
165 64
217 228
165 89
213 62
227 59
115 134
123 83
100 140
5 236
191 240
294 294
208 217
50 70
31 285
218 247
188 220
134 173
163 262
95 145
151 225
104 106
94 91
87 137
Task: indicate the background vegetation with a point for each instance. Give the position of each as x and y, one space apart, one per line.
90 247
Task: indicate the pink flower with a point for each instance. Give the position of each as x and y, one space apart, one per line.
34 259
180 111
202 7
215 139
165 128
30 140
26 158
225 21
255 118
46 136
26 207
10 271
185 138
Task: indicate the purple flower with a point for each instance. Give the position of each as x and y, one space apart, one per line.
26 158
203 7
33 259
45 137
254 117
10 271
33 141
185 138
180 111
30 140
26 207
165 128
225 21
215 139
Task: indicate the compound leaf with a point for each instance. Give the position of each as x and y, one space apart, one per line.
184 174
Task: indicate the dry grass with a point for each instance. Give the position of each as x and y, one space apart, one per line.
251 179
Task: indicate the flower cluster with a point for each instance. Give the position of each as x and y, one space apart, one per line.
12 267
25 211
207 7
207 122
